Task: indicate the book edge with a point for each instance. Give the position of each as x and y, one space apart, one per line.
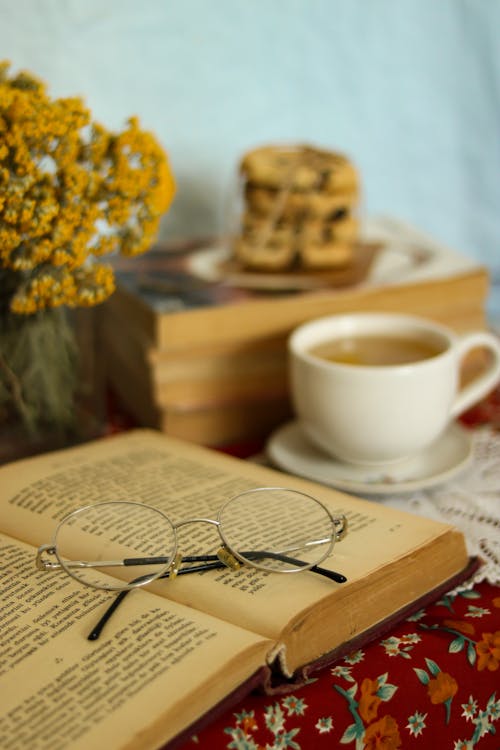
268 682
304 674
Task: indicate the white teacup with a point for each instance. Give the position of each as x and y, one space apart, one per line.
366 412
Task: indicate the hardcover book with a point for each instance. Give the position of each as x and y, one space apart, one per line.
176 651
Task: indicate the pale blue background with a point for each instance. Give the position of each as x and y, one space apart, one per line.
409 89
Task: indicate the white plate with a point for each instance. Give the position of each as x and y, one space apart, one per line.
390 263
289 449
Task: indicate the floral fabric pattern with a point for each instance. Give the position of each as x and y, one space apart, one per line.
433 682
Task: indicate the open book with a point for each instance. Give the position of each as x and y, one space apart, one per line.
177 648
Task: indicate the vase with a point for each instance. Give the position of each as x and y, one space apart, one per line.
47 397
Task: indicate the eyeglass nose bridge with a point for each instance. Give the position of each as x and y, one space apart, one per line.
186 521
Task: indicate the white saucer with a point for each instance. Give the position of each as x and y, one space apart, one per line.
289 449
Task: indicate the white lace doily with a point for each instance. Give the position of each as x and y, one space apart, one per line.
470 501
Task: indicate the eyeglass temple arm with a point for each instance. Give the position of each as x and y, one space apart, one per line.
217 564
260 555
43 564
210 562
253 555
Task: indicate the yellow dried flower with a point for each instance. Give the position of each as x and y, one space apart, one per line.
70 192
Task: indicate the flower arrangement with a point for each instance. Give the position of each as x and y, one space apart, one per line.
70 193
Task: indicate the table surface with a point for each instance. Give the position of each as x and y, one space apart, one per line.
432 682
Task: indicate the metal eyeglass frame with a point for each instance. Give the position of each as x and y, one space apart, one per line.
226 555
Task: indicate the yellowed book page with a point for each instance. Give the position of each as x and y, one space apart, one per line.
188 482
145 680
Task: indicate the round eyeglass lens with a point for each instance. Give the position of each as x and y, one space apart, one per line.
115 545
277 529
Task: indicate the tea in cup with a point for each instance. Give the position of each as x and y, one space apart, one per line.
375 388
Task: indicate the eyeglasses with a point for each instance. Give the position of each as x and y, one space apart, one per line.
265 527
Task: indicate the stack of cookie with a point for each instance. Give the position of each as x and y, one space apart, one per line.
299 209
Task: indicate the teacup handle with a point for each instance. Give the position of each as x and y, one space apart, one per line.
484 383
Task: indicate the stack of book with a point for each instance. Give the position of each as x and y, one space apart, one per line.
193 347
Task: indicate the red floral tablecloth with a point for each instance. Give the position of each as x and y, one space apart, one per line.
433 683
